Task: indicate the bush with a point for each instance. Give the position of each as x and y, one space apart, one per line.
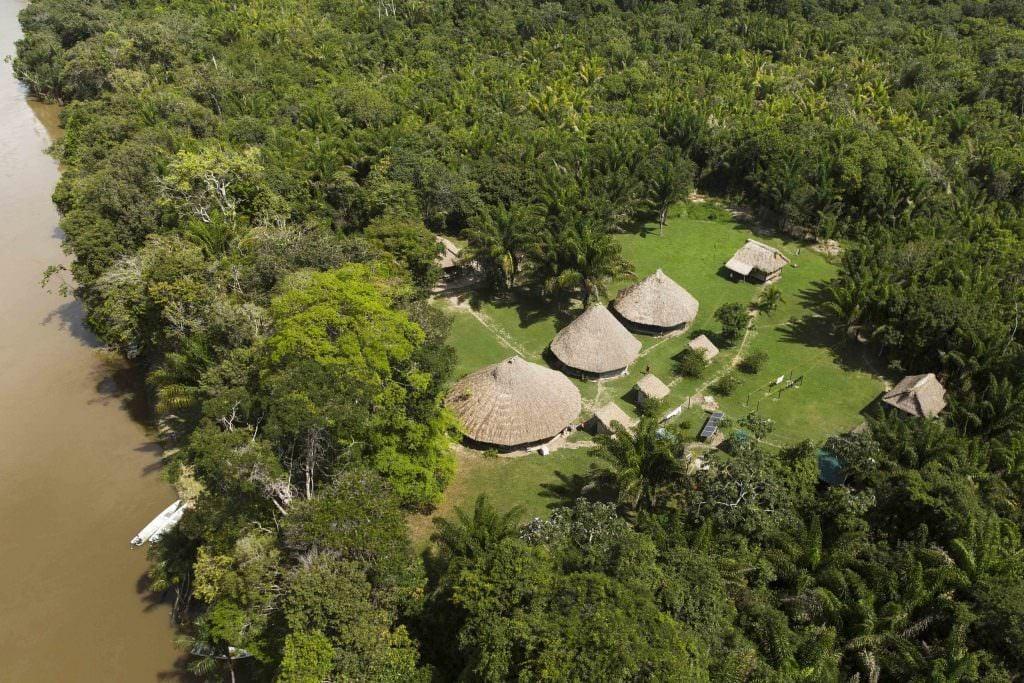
770 299
759 426
691 363
734 319
649 408
754 363
726 385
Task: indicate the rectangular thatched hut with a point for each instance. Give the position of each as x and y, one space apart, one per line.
608 414
650 388
757 261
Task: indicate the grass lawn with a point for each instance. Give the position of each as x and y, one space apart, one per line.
837 384
538 483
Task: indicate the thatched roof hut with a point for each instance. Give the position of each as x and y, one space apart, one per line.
514 403
448 253
650 387
917 395
595 344
607 414
656 304
702 343
758 260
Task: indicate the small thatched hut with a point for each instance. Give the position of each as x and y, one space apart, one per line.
649 387
758 261
595 345
917 395
514 403
656 305
448 254
606 415
702 343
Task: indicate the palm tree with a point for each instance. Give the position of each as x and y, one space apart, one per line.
672 180
580 256
639 464
502 237
176 379
470 536
770 299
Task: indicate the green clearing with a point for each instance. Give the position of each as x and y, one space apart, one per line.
537 483
837 381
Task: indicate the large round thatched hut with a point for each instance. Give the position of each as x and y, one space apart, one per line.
514 403
595 345
656 305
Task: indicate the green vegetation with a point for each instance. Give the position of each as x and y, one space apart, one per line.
734 320
797 342
691 363
752 363
250 194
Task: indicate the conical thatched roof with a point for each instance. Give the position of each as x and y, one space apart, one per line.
514 402
702 343
649 386
595 343
657 301
918 395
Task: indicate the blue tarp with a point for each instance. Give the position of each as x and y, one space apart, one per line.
830 468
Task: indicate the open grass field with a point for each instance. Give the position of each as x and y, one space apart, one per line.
838 382
535 482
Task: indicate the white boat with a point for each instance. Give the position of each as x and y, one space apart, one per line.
171 515
204 650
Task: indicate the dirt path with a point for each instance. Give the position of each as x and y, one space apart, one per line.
750 332
485 320
666 338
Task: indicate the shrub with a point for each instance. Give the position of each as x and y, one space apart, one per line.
759 426
754 363
649 408
726 385
770 299
691 363
734 319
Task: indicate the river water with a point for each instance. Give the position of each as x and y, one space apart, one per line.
79 476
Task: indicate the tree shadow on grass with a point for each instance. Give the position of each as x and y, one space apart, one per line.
643 224
815 297
819 331
569 488
530 309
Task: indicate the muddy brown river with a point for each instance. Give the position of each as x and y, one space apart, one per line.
79 475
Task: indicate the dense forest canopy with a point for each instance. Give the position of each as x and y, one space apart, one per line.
250 196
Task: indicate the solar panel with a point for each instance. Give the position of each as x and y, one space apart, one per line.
711 426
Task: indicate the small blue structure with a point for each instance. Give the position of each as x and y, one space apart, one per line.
830 468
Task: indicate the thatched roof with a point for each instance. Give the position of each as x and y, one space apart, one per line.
448 252
514 402
702 343
649 386
609 413
657 301
918 395
596 343
757 256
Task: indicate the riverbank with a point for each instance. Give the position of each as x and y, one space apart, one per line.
79 475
